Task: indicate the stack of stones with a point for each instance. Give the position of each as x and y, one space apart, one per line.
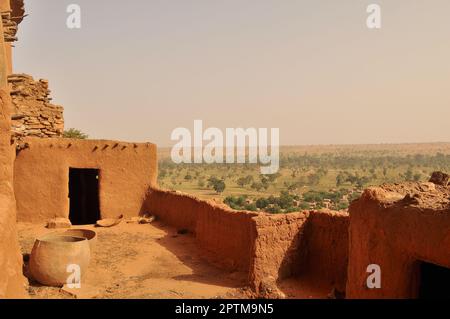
33 114
9 27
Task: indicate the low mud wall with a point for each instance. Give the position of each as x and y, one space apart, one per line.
228 234
326 248
278 247
267 247
313 244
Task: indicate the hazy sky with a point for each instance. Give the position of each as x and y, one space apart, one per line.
138 69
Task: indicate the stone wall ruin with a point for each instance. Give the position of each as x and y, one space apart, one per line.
33 112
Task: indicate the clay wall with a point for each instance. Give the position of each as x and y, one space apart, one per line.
263 245
12 282
314 244
227 234
396 228
41 173
279 246
326 242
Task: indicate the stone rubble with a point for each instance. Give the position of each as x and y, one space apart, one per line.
9 27
59 223
33 114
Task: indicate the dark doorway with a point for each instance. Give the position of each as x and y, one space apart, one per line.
83 194
434 281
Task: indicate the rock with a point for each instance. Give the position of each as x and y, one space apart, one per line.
411 199
109 222
439 178
133 220
146 220
427 187
59 223
31 102
141 220
268 289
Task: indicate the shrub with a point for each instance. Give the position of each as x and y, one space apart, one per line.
74 133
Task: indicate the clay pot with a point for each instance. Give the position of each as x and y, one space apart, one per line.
52 254
90 235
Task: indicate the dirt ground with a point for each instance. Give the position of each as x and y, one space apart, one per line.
141 261
305 288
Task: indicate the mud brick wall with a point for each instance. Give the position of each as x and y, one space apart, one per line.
33 113
278 246
226 233
313 244
12 282
326 248
41 176
397 227
260 244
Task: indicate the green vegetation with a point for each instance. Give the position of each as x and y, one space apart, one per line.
217 184
304 181
74 133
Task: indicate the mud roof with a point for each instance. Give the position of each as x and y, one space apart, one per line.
423 195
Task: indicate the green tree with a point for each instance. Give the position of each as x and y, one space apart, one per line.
74 133
243 181
219 186
262 203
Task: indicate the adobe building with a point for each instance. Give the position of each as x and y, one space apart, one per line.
43 175
83 180
405 229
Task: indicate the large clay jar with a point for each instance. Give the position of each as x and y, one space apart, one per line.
52 255
90 235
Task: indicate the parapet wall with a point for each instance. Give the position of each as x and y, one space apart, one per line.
313 244
33 114
326 242
262 245
279 247
226 233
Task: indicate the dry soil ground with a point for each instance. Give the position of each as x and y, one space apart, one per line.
142 261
